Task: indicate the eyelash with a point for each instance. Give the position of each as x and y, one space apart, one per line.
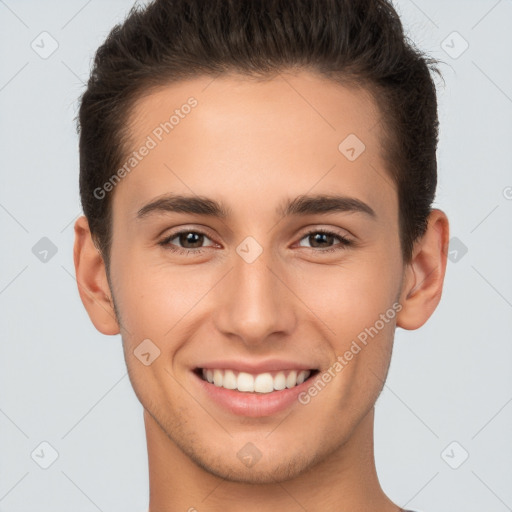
344 242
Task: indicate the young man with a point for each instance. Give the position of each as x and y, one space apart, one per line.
257 179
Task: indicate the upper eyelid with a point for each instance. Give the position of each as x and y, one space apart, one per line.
179 231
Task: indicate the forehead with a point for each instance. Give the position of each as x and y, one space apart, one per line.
238 101
293 132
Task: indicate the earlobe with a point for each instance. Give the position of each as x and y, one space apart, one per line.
92 280
424 276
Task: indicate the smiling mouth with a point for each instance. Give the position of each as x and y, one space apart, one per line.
266 382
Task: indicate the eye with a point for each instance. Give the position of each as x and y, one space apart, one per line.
191 240
321 239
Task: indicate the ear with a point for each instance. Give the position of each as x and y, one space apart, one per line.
424 275
92 280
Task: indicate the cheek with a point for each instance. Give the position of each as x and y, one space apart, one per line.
357 303
154 298
164 305
351 296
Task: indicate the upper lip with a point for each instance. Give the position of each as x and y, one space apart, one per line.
268 365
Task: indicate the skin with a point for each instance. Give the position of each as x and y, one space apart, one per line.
252 145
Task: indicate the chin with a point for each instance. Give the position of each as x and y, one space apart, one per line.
262 472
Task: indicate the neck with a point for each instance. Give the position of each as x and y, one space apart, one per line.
346 480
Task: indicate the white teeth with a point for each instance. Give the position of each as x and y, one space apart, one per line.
291 380
245 382
264 383
279 381
301 377
230 380
217 377
261 383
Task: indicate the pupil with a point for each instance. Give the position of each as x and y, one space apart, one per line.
318 236
188 238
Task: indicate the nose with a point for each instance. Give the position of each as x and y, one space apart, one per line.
254 303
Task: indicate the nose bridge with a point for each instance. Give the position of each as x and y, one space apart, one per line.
254 303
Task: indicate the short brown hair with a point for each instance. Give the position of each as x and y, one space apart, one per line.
358 42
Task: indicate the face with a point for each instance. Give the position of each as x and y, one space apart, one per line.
255 245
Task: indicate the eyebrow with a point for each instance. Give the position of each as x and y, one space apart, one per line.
300 206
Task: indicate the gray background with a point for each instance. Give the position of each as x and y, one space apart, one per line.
63 383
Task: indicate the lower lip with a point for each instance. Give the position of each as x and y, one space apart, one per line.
253 405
